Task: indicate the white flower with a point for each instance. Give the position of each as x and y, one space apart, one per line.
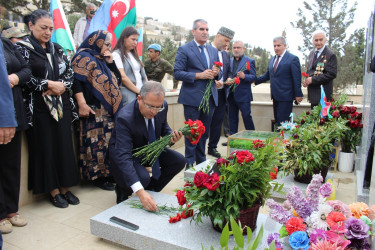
317 219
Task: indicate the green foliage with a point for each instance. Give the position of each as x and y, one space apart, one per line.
311 142
351 63
242 185
72 20
168 49
238 237
334 17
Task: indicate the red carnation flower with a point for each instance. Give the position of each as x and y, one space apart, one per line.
218 64
302 121
237 80
187 213
248 65
199 179
244 156
221 161
258 144
305 74
188 184
174 219
307 112
274 174
212 182
294 224
336 114
353 110
181 197
322 121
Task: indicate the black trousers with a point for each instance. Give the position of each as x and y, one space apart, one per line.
10 174
171 163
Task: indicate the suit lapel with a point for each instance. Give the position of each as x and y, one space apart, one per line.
140 121
196 51
242 63
282 61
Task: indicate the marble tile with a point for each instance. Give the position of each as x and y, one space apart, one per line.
84 241
81 221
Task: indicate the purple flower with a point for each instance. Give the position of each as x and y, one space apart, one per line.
299 202
357 228
278 213
313 191
362 244
326 189
274 237
316 235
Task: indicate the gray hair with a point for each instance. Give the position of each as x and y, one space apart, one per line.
90 5
195 24
239 41
318 32
108 37
152 87
280 38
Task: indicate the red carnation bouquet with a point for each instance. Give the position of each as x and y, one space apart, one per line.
204 105
193 130
236 81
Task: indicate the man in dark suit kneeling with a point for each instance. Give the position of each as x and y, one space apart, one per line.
137 124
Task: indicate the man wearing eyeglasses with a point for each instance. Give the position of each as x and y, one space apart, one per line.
135 125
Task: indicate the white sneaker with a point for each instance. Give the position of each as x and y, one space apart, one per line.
18 220
5 227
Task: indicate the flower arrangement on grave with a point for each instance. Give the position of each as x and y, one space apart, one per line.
352 136
193 130
205 103
313 222
236 81
311 144
240 182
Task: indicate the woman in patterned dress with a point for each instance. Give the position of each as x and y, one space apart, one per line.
96 90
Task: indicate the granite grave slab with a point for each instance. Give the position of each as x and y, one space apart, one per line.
155 232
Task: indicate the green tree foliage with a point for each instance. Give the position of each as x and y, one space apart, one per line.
351 63
168 49
332 16
261 57
72 20
22 7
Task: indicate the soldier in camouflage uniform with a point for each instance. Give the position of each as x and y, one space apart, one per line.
156 67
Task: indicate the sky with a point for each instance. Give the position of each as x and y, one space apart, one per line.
254 22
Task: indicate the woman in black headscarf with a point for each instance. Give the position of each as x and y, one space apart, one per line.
52 165
96 90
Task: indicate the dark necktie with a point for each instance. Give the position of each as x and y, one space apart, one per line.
151 138
276 64
316 56
203 56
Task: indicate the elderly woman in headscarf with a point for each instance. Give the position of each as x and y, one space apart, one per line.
98 95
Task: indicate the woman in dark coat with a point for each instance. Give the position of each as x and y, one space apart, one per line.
52 165
10 154
96 90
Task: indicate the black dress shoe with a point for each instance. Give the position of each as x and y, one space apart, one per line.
224 144
104 184
120 194
58 201
71 198
213 152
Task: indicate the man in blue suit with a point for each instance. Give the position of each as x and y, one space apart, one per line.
7 114
194 66
241 98
140 122
222 39
284 71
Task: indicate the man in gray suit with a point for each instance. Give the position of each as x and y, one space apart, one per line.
321 68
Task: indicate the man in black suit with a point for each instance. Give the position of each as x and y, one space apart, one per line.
321 68
134 128
222 39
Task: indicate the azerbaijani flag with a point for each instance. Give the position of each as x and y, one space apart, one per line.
61 31
114 16
140 43
324 103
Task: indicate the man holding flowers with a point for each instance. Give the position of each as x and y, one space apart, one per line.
194 66
139 123
243 74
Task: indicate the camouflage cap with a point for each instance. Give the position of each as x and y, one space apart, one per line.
14 32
